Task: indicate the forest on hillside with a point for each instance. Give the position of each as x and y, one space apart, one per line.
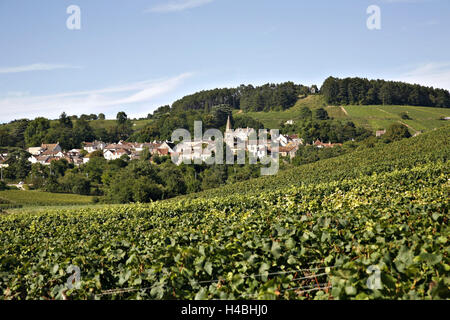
361 91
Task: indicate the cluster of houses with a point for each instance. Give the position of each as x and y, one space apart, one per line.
288 145
132 150
46 153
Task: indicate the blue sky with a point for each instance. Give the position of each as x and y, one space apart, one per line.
137 55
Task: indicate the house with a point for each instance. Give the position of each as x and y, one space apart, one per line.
42 160
163 149
94 146
49 160
167 145
55 148
320 144
111 154
3 163
33 159
35 151
289 122
282 140
76 160
44 152
162 152
288 151
54 153
295 139
257 150
74 152
379 133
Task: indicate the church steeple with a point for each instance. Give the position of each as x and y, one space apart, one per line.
228 127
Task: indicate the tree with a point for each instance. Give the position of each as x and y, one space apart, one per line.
220 114
321 114
138 182
83 131
95 167
3 186
330 90
213 177
405 116
385 94
121 118
101 116
172 178
18 165
36 131
59 167
38 175
149 133
75 183
17 132
305 113
5 139
397 131
65 121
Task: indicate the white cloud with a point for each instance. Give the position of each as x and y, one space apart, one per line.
178 5
35 67
406 1
90 101
431 74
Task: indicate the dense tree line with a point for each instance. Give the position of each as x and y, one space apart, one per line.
376 92
269 97
205 100
246 97
165 123
69 131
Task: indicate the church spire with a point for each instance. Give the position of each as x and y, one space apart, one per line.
228 128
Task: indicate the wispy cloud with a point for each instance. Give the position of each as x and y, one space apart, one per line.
433 74
178 5
35 67
99 100
406 1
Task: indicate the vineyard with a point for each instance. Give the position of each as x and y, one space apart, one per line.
426 148
315 232
38 198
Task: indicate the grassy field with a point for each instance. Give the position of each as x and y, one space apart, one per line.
106 124
371 117
38 198
273 119
379 117
138 124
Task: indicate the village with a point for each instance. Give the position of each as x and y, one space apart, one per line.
46 153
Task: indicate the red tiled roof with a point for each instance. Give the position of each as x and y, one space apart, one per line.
163 151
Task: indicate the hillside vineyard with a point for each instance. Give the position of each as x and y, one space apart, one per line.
389 211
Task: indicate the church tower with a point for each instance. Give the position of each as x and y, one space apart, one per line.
228 127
